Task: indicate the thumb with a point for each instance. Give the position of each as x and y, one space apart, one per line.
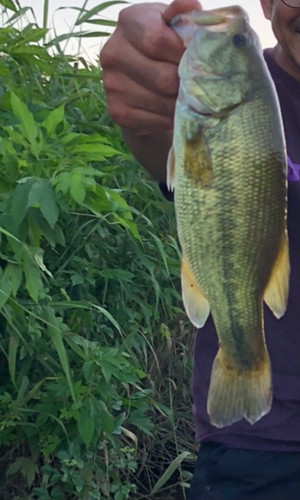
180 7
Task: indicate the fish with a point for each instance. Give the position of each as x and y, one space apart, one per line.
227 168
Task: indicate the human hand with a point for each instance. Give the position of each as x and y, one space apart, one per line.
140 65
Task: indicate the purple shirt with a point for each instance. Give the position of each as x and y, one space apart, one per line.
279 430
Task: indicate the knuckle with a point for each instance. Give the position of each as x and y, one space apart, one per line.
152 42
109 54
117 112
108 81
168 108
126 14
167 81
103 57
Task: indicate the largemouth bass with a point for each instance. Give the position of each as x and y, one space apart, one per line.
227 166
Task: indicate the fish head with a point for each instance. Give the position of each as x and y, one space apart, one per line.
218 67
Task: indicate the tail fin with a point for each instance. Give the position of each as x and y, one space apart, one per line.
235 394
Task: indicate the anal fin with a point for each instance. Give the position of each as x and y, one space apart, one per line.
196 305
276 292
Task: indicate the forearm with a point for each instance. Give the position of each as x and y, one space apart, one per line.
151 151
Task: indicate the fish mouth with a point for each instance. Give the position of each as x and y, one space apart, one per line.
216 20
200 70
185 25
213 20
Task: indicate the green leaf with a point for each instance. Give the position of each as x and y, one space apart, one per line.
93 34
162 251
29 128
98 149
19 13
76 34
15 136
62 182
88 370
17 464
10 235
96 10
97 201
9 4
107 314
72 182
95 495
107 370
28 469
4 71
33 280
5 288
77 191
55 331
19 200
30 476
31 35
170 471
75 348
56 492
53 119
117 274
107 420
42 193
12 357
102 22
118 203
77 279
129 225
22 389
42 493
86 424
78 481
38 259
141 421
81 304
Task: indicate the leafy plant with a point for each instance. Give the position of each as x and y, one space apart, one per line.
92 331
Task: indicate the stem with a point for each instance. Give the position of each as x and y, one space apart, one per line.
45 17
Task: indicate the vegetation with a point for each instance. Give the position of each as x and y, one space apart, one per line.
95 355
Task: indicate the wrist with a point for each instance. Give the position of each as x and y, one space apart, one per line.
151 150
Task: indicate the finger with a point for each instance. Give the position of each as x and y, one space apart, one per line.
159 77
133 95
146 30
141 121
180 7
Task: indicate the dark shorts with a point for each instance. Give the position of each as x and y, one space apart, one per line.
223 473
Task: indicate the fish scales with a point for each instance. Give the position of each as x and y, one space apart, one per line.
229 174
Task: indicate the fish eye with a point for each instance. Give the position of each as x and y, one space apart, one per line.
240 41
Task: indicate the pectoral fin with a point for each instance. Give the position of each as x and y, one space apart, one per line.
276 292
197 160
171 170
196 305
